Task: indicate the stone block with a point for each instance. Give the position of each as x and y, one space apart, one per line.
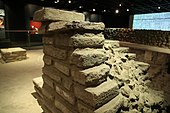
111 44
143 66
64 68
76 25
39 93
112 106
48 80
97 96
13 54
50 14
67 95
47 40
48 92
87 40
68 39
62 107
38 82
47 60
130 56
55 52
85 58
84 108
91 76
52 73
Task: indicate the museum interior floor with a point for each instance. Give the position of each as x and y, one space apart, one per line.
16 84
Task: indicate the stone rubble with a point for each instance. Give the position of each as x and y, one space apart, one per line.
91 76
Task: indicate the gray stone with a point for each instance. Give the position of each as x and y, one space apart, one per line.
112 106
80 25
91 76
50 14
97 96
85 58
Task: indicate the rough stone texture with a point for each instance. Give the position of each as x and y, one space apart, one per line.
97 96
55 52
79 25
146 37
82 73
13 54
68 39
91 76
85 58
112 106
49 14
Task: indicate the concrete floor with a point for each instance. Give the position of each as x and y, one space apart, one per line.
16 84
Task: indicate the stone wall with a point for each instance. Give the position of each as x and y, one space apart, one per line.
84 73
146 37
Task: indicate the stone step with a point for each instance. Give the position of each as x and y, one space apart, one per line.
111 44
38 82
112 106
76 25
121 50
91 76
97 96
51 14
84 58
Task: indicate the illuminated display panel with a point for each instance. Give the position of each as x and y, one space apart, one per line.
152 21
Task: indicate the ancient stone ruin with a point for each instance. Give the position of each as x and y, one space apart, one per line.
84 73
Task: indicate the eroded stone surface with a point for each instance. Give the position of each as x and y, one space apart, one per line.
85 58
50 14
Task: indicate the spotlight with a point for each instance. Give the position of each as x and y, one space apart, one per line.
159 7
94 10
69 1
127 9
104 10
116 11
120 5
57 1
80 6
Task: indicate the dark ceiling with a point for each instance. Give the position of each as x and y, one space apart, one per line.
125 7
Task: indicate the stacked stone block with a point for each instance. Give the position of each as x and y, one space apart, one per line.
147 37
13 54
83 73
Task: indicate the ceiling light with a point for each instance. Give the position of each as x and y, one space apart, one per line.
120 5
104 10
127 9
159 7
57 1
116 11
80 6
94 10
69 1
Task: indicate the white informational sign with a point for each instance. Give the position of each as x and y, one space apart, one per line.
2 12
152 21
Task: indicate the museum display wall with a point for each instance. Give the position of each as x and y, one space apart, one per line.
84 73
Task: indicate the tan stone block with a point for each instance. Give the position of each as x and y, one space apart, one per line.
76 25
97 96
52 73
69 39
47 60
67 95
111 44
38 82
87 40
84 108
62 107
91 76
112 106
55 52
121 49
50 14
48 80
85 58
48 92
64 68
